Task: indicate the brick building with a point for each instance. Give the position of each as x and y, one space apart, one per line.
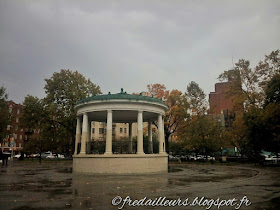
15 134
221 104
219 100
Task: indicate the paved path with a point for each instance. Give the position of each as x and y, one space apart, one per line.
30 185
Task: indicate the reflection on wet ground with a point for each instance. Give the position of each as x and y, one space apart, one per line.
54 186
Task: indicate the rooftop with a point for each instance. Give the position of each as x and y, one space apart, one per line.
121 95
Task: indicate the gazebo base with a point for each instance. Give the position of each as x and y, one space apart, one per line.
120 164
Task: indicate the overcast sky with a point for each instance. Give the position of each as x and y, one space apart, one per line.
129 44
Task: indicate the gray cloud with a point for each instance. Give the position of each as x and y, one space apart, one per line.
130 44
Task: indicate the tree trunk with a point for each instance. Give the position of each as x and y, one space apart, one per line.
166 137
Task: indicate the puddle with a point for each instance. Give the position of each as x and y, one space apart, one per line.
65 170
22 208
173 169
275 203
56 187
56 192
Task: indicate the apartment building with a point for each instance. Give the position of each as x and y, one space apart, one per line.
120 130
221 104
15 134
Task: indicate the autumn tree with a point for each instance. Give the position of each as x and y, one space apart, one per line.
248 84
243 85
175 116
263 124
200 131
177 109
255 89
266 69
33 118
272 91
55 114
32 113
272 115
64 90
236 135
157 90
197 99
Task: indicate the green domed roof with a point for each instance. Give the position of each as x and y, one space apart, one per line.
121 95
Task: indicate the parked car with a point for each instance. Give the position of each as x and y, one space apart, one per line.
51 156
55 156
45 154
200 158
172 158
209 157
60 156
272 159
178 157
191 157
18 156
36 155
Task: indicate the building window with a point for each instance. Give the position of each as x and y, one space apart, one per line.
25 137
17 120
101 130
21 130
124 130
121 130
20 137
10 109
93 130
16 128
19 144
15 136
8 127
18 111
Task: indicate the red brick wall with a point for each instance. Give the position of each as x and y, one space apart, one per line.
219 100
15 123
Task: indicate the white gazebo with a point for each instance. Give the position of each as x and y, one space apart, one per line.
120 108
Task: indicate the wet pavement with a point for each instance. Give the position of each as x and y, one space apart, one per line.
52 185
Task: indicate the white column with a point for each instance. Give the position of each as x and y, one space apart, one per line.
84 133
140 133
130 138
78 135
89 131
160 132
150 137
89 137
163 136
109 133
